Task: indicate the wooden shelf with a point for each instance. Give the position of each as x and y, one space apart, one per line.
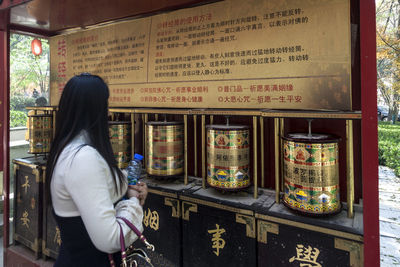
267 113
46 108
312 114
233 112
150 110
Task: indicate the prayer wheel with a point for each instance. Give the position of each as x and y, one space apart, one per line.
311 173
40 133
228 156
120 139
165 148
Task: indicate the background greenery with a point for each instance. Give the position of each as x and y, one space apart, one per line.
389 145
27 73
388 53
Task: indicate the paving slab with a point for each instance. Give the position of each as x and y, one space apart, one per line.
390 252
389 201
389 229
389 217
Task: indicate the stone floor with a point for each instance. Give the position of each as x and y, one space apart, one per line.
389 217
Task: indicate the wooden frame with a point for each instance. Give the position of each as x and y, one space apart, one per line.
367 115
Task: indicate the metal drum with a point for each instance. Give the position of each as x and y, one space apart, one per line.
40 133
311 173
228 156
165 148
120 139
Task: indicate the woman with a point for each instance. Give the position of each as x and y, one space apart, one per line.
85 181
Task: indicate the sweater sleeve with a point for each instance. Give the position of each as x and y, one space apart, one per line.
88 185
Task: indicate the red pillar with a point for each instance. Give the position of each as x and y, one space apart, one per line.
369 129
4 119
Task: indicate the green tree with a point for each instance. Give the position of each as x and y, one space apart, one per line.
26 70
388 53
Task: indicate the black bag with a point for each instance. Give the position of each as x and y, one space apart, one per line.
133 257
138 257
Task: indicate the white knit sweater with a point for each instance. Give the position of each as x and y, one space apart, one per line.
82 185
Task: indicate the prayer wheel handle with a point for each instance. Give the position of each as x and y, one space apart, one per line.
309 127
227 119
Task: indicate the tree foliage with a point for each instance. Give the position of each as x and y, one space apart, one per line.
28 74
17 118
388 52
26 70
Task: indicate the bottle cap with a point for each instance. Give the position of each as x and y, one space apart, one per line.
138 156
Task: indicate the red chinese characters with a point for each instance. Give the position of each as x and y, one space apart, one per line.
259 88
85 39
61 65
120 99
184 21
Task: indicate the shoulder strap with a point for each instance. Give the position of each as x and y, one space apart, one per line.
138 233
123 253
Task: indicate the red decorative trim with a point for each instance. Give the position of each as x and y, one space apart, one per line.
229 147
11 3
369 132
166 158
316 164
167 140
226 168
317 188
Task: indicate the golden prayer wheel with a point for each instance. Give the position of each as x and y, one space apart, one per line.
165 148
120 139
228 156
40 133
311 173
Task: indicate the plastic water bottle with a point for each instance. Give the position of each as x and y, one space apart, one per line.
135 169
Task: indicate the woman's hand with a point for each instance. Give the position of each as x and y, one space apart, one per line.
141 188
132 193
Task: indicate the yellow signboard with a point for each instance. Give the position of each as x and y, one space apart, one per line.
292 54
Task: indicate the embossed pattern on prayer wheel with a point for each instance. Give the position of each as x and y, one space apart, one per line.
165 148
228 156
120 138
311 173
40 133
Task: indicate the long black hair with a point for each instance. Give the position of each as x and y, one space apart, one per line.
83 106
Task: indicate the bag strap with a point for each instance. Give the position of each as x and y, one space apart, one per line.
112 262
123 252
122 241
138 233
